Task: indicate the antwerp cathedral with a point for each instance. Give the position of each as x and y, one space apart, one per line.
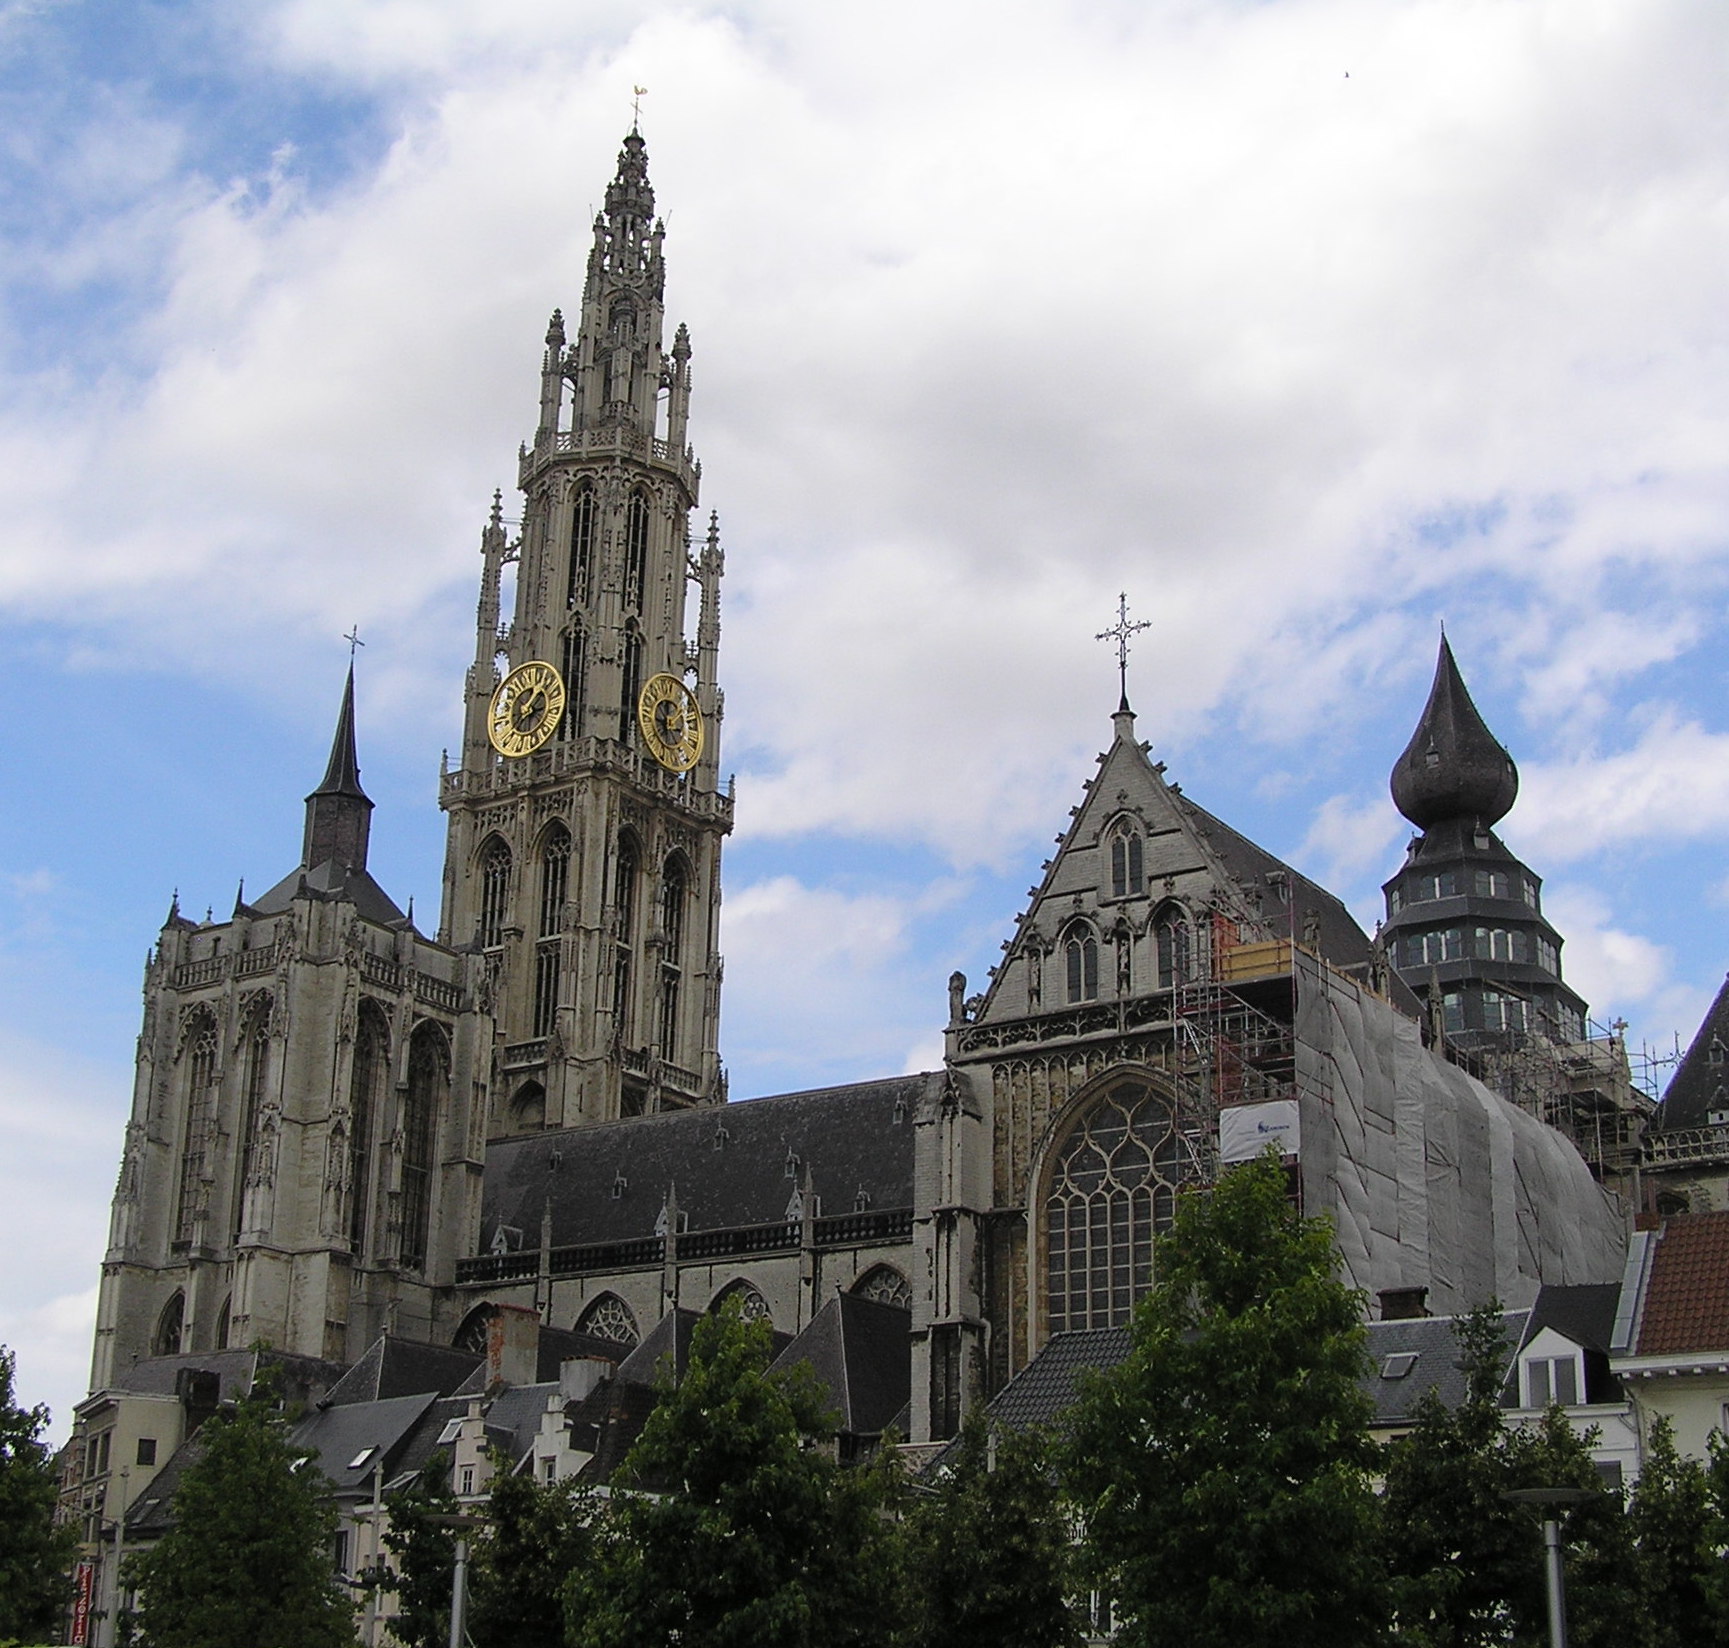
346 1131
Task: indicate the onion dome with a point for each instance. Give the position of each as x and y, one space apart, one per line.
1453 767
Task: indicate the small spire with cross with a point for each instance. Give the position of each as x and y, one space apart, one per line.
1120 633
354 642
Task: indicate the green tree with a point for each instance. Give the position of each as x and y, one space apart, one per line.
1225 1463
989 1551
35 1555
732 1525
1459 1556
538 1533
423 1556
248 1557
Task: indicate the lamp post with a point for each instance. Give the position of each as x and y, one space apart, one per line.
459 1574
1552 1501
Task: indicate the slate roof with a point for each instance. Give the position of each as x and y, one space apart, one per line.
862 1352
669 1337
300 1378
150 1514
355 1430
1047 1386
1700 1085
394 1367
729 1164
331 880
1453 767
1686 1304
1430 1341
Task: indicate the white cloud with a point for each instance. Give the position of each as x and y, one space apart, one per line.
1351 836
1613 969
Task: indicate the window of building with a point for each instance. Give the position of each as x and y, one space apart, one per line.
366 1091
1113 1186
170 1328
1127 862
195 1150
1171 942
547 967
673 882
575 679
1500 944
554 879
1431 949
147 1450
494 893
466 1490
1081 958
632 681
549 1469
1493 884
751 1304
885 1285
1443 884
1548 958
339 1550
609 1317
1504 1012
428 1085
255 1069
582 517
635 556
1453 1012
1528 888
1552 1379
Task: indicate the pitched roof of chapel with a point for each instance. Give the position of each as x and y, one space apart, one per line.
331 880
730 1165
862 1352
392 1367
1701 1081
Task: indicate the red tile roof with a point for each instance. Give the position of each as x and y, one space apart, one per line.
1687 1294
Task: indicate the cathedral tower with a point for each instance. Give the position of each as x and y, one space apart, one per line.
302 1163
585 821
1465 925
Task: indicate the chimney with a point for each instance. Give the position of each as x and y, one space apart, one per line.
200 1392
578 1375
512 1346
1403 1304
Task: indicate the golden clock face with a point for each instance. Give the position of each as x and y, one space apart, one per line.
526 709
670 722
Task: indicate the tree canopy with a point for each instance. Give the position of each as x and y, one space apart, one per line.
1224 1468
34 1553
248 1556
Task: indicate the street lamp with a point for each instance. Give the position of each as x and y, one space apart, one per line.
1552 1502
459 1574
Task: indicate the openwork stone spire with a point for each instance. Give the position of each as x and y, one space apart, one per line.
1454 767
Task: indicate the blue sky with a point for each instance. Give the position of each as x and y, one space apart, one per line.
1310 324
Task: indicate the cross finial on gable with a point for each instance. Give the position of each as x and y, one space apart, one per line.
1120 632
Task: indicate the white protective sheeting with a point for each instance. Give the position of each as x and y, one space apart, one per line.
1245 1130
1433 1180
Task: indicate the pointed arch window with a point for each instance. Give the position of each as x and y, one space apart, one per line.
547 974
1113 1187
1081 962
1172 940
886 1286
195 1149
575 678
494 893
365 1093
624 930
751 1304
635 552
582 520
1128 858
170 1328
632 681
428 1084
554 879
609 1318
255 1069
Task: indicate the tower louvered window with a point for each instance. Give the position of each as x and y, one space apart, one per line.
546 979
1113 1187
582 517
554 880
256 1069
624 931
494 893
635 551
632 682
195 1151
428 1078
371 1055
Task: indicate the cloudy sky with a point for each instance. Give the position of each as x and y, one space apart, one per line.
1308 323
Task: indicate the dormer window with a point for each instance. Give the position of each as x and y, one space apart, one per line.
1551 1371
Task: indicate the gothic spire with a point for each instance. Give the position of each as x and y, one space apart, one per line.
1454 767
339 812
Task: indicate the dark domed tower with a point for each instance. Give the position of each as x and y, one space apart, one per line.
1464 916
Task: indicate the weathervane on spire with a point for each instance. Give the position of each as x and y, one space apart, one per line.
1120 633
639 93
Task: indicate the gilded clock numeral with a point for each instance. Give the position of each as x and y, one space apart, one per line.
526 708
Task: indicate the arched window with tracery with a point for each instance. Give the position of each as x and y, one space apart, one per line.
884 1285
635 553
751 1304
494 892
365 1098
1128 858
1113 1186
200 1103
254 1072
610 1318
170 1334
674 882
1173 940
582 519
472 1333
1081 962
223 1324
422 1104
554 879
624 879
